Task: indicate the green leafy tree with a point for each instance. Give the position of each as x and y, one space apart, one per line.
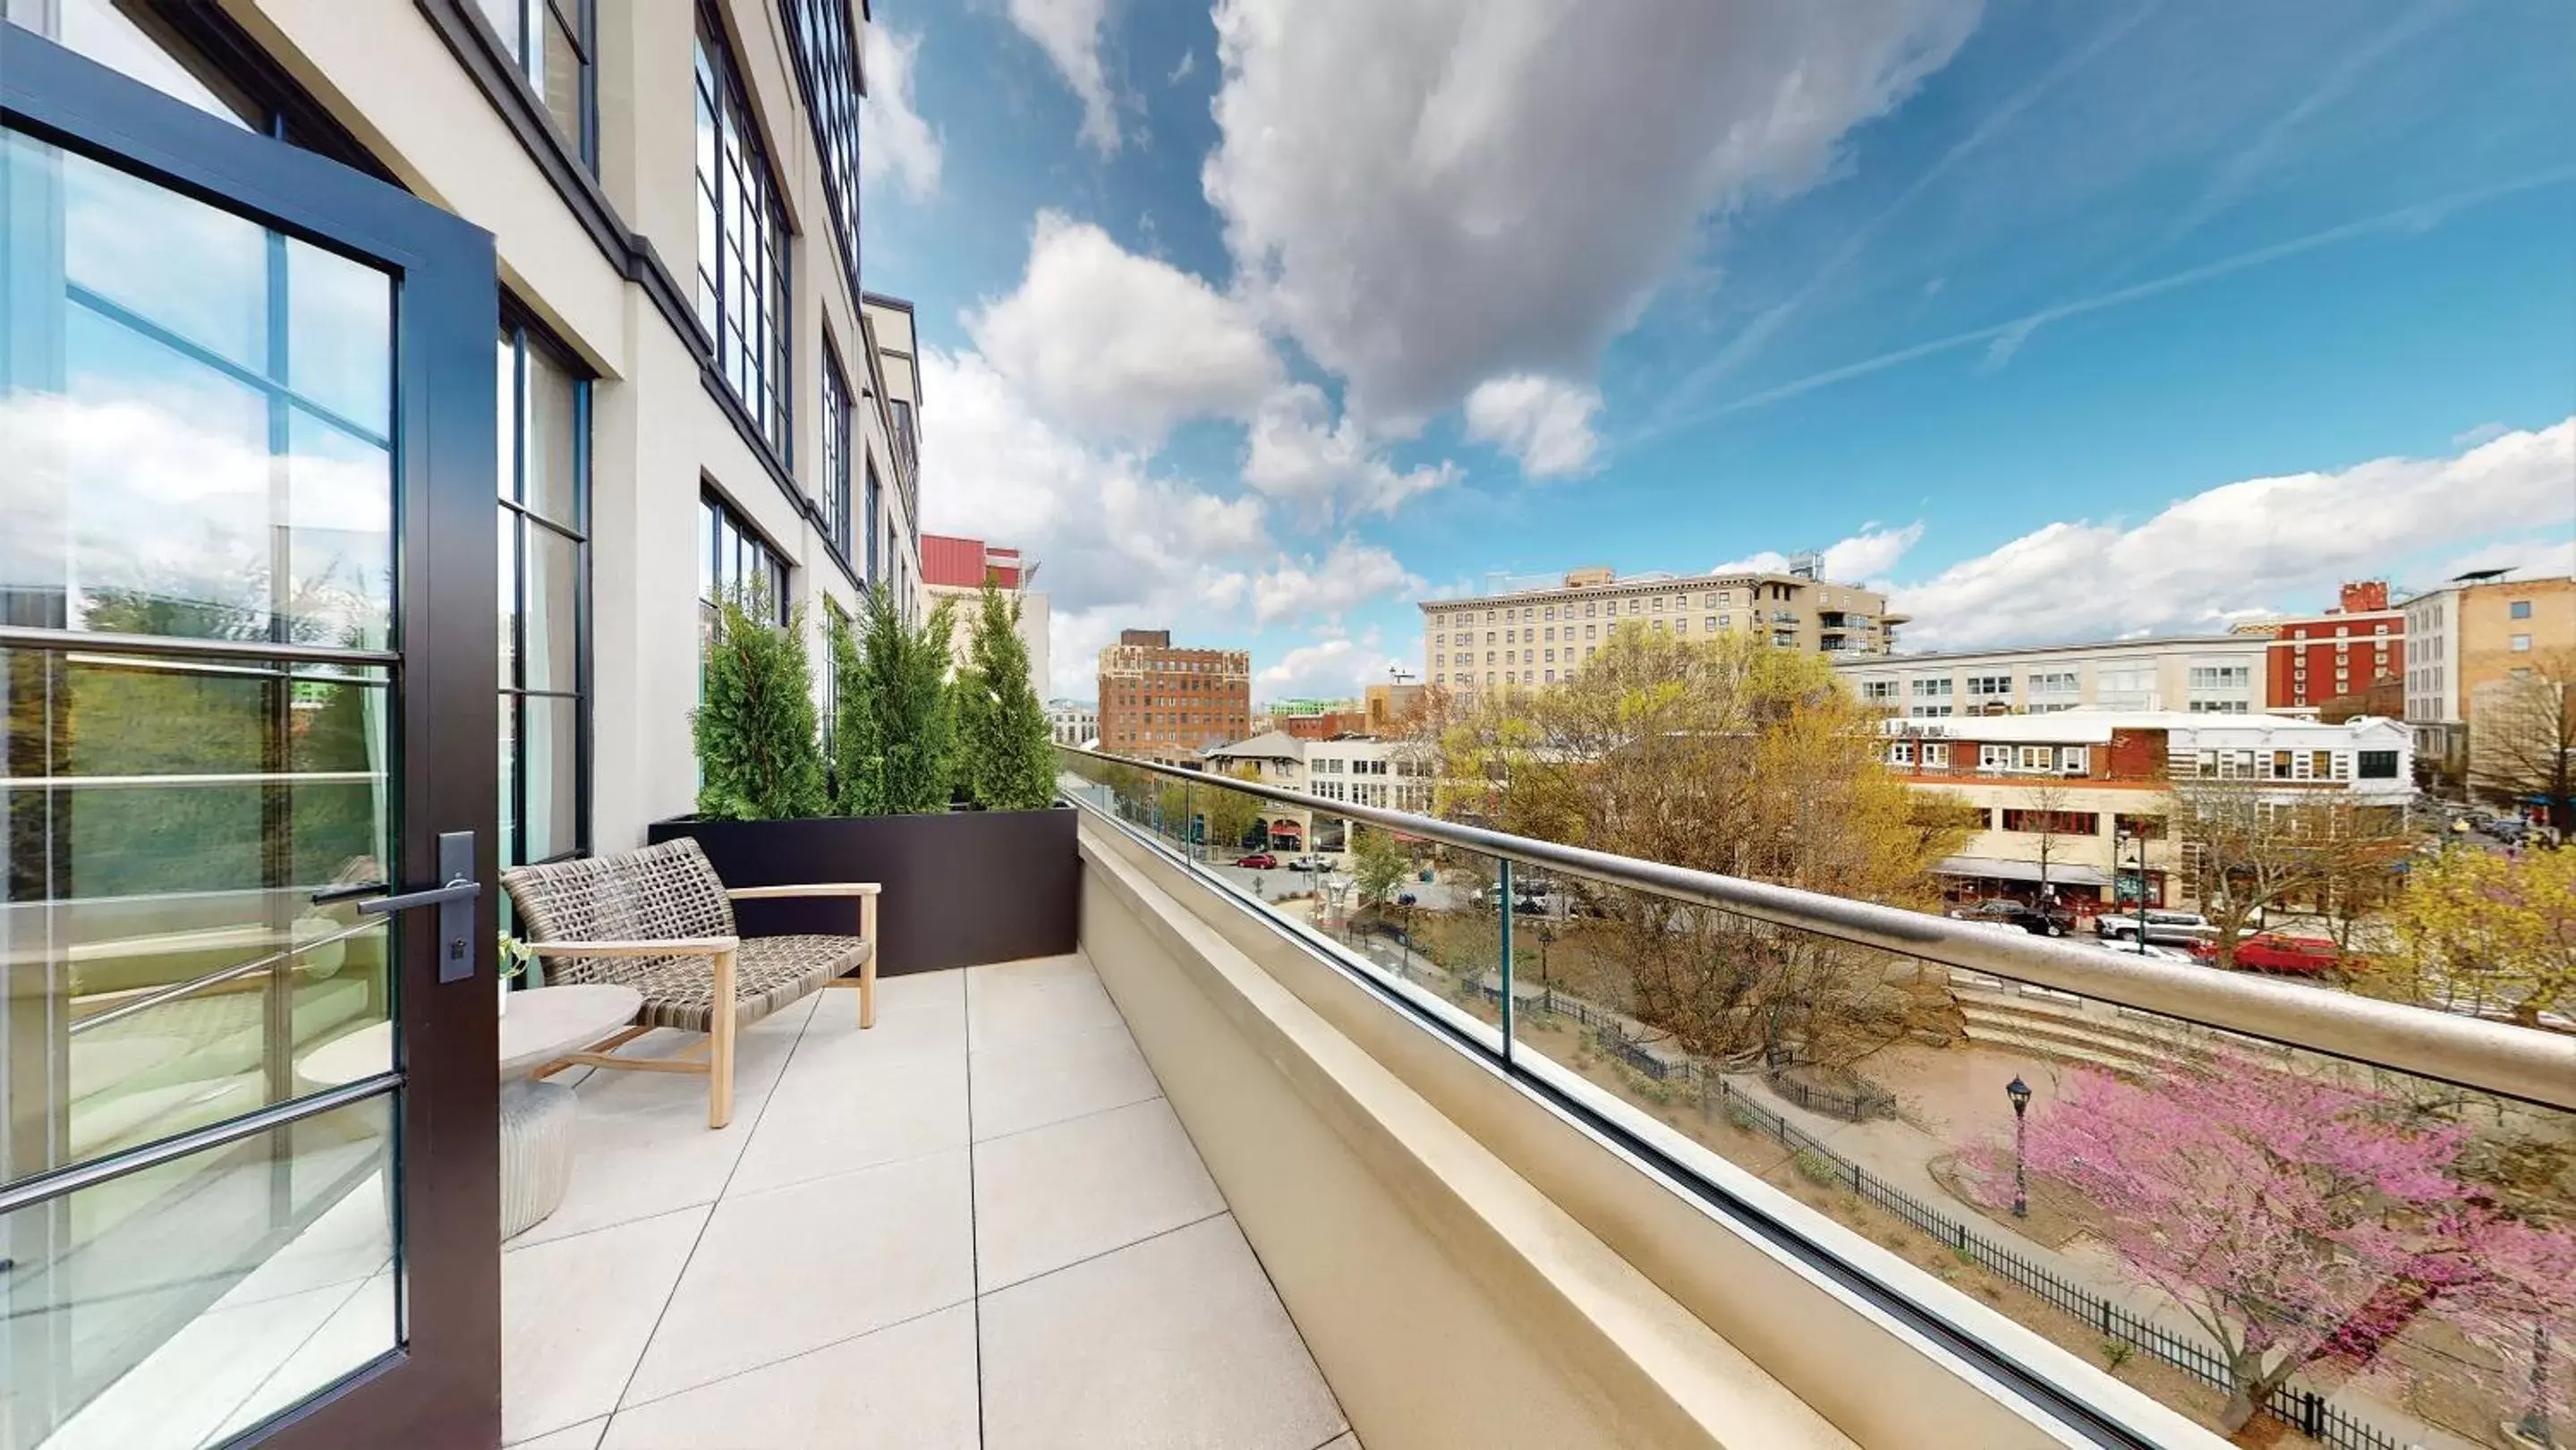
891 743
1230 813
1005 754
758 757
1378 864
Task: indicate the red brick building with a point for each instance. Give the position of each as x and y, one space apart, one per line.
2339 653
1165 702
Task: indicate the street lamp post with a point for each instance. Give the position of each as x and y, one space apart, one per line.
2123 839
2019 1092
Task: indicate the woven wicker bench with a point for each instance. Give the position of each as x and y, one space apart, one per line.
658 920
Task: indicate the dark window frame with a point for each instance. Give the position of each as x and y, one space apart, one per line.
2375 765
581 19
824 43
729 526
840 433
753 356
875 525
523 334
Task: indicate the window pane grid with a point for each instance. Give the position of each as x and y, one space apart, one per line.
827 68
742 246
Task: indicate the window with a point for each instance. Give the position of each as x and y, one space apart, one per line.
733 560
827 67
1878 690
2379 765
1928 689
1936 754
874 512
2058 682
2221 677
551 41
2038 757
742 244
2150 828
2518 609
835 479
1900 752
1989 684
1712 624
544 474
2053 823
2519 644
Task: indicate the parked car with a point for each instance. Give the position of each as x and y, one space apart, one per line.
1406 898
1310 863
2177 928
2029 916
2508 830
2270 951
1258 861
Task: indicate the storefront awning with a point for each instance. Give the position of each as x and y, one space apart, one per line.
1995 868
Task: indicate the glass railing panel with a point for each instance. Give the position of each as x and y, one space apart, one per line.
2355 1256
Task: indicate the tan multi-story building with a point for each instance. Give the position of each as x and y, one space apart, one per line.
2194 674
955 569
2475 631
1169 703
1540 635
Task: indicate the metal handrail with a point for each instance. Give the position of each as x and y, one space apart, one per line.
215 978
2515 1062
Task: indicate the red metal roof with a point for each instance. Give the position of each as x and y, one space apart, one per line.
946 559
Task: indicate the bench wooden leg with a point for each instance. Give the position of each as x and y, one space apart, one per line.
868 969
720 1051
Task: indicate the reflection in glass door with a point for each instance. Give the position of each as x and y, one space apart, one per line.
207 1089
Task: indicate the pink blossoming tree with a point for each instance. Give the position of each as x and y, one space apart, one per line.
2298 1219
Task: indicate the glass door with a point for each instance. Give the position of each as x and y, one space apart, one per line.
246 460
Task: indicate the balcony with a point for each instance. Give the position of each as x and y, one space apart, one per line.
1304 1173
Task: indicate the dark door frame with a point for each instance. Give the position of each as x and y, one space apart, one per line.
442 1387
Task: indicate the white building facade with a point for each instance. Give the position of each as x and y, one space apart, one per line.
2192 674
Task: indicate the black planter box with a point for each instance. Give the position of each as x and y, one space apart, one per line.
960 889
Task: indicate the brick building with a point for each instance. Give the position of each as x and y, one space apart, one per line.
2341 653
1169 703
2065 802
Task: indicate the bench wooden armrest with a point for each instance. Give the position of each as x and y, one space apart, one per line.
820 888
684 946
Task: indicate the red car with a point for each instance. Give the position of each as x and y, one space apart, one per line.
2272 952
1258 861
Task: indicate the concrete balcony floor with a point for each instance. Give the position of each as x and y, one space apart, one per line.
977 1224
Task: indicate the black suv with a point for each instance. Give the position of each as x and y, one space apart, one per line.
2031 917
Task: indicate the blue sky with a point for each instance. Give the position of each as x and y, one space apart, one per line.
1265 321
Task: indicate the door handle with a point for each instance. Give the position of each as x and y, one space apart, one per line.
454 898
428 896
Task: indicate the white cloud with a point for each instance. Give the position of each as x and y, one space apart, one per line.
1498 186
2537 558
1350 574
899 143
1326 469
1871 553
1112 343
1069 32
2257 545
1333 667
1122 547
1546 423
1865 556
1188 67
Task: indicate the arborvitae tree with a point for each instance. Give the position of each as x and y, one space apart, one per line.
758 758
890 744
1005 752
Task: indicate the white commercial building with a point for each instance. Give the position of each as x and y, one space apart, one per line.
2195 674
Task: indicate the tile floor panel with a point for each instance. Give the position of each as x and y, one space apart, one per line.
975 1224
